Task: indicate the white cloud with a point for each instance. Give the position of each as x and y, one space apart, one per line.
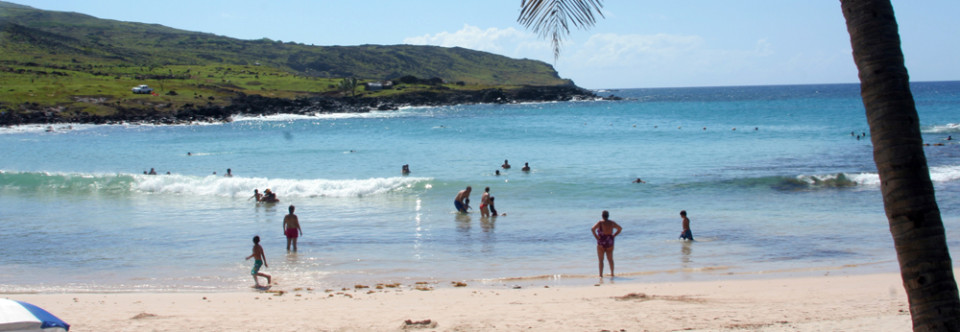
611 59
492 40
611 49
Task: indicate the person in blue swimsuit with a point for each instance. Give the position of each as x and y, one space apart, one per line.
462 201
604 232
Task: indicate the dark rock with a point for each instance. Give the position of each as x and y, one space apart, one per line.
32 113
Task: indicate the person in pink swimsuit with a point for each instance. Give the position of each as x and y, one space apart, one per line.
604 232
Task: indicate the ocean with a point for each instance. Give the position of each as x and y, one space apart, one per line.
777 180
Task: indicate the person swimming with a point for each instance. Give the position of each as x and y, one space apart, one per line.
269 196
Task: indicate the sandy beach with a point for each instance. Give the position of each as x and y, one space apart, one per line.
824 303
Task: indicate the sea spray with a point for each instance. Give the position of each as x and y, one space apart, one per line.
87 183
241 186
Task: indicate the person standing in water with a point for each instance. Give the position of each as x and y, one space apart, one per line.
291 228
259 259
462 201
485 203
686 234
603 231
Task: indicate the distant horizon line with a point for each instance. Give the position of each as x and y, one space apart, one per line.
753 85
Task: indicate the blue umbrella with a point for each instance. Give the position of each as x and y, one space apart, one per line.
22 316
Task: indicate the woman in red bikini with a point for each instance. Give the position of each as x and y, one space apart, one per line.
604 232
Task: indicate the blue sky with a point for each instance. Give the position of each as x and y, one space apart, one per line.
678 43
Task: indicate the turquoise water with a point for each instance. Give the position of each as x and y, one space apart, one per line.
751 165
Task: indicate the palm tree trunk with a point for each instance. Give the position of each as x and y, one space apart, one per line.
908 194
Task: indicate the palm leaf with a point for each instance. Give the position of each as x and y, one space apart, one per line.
553 18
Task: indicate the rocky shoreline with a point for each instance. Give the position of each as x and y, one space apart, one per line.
259 105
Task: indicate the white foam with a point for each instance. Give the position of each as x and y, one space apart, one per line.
937 174
864 179
242 187
861 179
61 128
939 129
58 128
320 116
945 173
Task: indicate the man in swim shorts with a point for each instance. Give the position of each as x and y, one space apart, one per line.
686 234
291 228
259 260
462 200
603 231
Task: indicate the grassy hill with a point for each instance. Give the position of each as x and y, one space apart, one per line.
78 63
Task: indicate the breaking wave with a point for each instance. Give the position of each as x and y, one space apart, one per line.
939 174
88 183
942 129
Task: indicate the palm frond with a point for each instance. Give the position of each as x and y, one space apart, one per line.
553 18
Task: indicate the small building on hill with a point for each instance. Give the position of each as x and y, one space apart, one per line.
378 85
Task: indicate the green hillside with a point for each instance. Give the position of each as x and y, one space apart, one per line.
79 63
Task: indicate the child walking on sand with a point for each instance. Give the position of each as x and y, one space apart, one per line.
259 260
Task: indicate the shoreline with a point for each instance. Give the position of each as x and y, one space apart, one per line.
681 274
830 302
256 105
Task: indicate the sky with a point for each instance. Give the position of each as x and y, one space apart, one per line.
638 43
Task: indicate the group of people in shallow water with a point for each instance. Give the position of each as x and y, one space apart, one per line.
606 230
154 172
266 197
487 209
506 165
291 229
405 169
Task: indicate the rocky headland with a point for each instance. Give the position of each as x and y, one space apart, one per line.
260 105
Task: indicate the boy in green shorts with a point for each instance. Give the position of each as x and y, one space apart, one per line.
259 259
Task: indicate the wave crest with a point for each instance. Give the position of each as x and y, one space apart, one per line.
942 129
201 186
